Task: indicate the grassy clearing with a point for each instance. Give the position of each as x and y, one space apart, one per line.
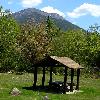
91 88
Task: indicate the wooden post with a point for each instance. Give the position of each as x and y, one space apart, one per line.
72 76
78 75
50 75
43 78
65 80
35 76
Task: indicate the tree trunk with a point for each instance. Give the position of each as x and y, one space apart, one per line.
43 78
35 77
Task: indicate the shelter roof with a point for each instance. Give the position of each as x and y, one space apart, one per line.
67 62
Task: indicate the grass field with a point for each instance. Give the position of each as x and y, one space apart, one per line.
89 86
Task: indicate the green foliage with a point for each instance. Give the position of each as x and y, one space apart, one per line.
23 46
33 43
8 33
69 43
93 48
82 47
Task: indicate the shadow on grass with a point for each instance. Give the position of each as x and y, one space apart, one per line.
45 89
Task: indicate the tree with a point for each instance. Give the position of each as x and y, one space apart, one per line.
9 30
94 28
33 43
82 47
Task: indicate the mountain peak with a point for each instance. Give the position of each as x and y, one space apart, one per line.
38 15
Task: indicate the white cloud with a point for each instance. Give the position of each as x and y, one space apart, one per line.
31 3
49 9
85 9
9 2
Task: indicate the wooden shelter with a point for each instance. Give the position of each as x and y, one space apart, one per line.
54 61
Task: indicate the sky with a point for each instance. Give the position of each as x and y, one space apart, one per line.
83 13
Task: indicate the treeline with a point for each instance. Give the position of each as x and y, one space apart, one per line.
81 46
21 46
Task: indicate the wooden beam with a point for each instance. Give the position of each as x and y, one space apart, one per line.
43 78
72 76
35 77
51 68
65 80
78 75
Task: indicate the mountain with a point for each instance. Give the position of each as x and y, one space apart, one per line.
32 14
